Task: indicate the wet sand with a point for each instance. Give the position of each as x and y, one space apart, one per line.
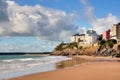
99 58
108 70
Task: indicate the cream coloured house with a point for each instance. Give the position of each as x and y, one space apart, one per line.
75 38
79 38
115 31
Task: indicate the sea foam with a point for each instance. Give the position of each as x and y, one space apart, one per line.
18 67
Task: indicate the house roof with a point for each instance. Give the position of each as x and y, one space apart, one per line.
82 34
79 35
118 24
76 35
91 32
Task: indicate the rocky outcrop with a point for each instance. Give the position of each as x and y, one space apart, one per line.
114 52
70 52
91 51
107 52
117 54
67 52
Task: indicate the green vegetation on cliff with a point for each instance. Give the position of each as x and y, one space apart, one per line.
109 43
63 46
59 47
100 48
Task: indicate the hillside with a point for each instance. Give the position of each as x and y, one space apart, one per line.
100 48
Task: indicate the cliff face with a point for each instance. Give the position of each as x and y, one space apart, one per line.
67 52
75 49
96 50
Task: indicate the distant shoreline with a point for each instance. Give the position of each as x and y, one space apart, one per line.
25 53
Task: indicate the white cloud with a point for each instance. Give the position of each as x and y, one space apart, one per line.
98 24
89 11
81 30
83 1
45 23
25 44
102 24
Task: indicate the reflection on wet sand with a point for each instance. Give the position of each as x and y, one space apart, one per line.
76 60
72 62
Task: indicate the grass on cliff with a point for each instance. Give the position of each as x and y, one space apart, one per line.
63 46
109 43
102 43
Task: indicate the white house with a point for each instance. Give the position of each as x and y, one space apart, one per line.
75 38
91 37
79 38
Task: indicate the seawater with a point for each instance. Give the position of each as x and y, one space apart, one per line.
19 65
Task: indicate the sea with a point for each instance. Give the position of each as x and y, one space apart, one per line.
12 66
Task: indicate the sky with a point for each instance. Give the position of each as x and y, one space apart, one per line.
40 25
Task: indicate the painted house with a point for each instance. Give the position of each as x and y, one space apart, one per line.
106 35
91 36
79 38
75 38
82 39
115 31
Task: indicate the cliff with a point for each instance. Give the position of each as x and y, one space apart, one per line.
97 49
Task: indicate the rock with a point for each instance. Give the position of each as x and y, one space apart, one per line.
118 55
102 52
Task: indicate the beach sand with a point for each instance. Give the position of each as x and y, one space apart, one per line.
86 71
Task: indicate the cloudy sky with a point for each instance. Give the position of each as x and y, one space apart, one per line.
39 25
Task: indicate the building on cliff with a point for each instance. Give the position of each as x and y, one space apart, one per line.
79 38
91 37
115 31
82 39
75 38
106 35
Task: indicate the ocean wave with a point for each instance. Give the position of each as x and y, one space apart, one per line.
18 67
12 60
26 62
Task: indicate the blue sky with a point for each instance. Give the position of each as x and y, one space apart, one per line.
39 25
101 7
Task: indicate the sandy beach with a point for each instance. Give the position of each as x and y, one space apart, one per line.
86 71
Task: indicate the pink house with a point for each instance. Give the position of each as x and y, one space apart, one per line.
106 35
